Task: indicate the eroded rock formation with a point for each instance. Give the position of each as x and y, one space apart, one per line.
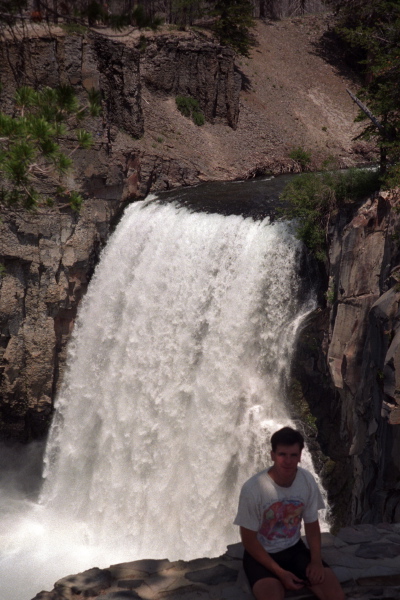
350 373
48 258
197 69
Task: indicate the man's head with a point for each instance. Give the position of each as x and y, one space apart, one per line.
287 445
287 437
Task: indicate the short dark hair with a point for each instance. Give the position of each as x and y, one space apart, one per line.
286 437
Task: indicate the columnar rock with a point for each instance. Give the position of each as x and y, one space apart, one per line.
197 69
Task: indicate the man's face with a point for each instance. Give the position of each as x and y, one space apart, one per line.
286 459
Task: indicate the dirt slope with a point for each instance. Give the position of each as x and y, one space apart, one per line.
291 97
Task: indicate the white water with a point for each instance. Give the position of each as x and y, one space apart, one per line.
175 383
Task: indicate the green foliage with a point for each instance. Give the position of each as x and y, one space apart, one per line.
234 23
31 158
301 156
184 12
74 28
3 270
330 295
190 108
142 43
312 199
371 31
198 118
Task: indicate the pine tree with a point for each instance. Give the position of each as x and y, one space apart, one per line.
234 23
32 164
371 29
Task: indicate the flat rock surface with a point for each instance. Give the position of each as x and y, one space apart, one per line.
366 570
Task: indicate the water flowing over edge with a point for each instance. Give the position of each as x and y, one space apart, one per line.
176 379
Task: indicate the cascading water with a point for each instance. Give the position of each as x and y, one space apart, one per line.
175 382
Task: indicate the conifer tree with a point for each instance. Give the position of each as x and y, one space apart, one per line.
234 23
33 164
371 29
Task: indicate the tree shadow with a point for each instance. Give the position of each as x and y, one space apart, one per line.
246 81
335 52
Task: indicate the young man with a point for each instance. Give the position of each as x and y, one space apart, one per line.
272 505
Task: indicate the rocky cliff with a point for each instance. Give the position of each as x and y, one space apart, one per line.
48 256
349 363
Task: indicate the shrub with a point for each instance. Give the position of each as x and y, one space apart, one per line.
198 118
312 199
301 156
190 108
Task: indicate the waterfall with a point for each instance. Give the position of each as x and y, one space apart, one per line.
175 381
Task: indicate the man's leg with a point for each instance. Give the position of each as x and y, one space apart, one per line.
330 588
269 589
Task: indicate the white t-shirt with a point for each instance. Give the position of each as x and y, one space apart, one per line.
276 512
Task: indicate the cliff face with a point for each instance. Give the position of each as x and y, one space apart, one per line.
48 256
200 70
350 357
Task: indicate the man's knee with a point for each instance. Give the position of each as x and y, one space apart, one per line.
268 589
330 589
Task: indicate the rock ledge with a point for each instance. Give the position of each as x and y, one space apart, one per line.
366 559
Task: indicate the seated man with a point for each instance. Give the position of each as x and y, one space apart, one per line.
272 505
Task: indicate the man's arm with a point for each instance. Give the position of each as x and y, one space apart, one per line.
315 570
255 549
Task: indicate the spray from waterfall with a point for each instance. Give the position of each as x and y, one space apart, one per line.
175 381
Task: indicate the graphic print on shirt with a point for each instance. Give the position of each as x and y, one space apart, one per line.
281 520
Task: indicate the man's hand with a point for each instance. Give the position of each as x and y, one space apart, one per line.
315 573
315 570
290 581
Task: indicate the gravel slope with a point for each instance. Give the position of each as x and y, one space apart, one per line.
292 96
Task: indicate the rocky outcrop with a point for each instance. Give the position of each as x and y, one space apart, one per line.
365 558
198 69
351 376
47 260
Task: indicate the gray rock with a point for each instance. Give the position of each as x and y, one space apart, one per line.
140 566
235 550
123 595
190 592
213 576
358 534
130 584
87 583
382 550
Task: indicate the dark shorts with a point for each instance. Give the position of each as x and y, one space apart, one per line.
294 559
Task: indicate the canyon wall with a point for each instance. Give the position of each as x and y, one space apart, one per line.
349 364
47 256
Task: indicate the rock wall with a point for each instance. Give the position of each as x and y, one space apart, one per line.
349 364
47 257
198 69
